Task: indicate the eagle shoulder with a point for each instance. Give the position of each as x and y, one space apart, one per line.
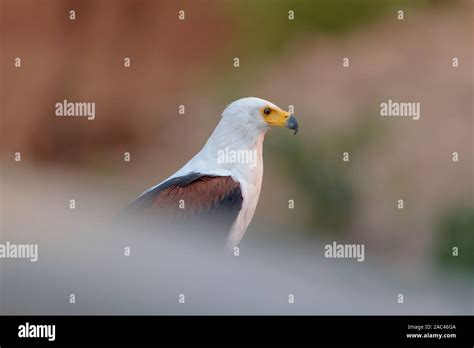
194 194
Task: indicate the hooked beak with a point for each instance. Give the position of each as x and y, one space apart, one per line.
292 123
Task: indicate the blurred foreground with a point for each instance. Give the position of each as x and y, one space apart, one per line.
81 252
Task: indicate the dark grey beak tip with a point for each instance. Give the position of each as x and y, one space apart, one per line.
292 123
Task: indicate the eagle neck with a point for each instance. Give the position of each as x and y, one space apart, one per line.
235 136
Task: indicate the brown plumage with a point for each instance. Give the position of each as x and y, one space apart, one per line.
205 198
202 194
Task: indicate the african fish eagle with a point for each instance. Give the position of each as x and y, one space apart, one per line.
213 186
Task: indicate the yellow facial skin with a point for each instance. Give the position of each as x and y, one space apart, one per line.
277 117
274 116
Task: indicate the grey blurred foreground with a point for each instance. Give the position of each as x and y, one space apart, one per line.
81 252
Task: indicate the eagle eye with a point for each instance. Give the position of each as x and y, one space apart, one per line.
267 111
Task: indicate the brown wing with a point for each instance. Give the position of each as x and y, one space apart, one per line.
193 195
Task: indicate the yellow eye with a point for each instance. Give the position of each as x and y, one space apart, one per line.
267 111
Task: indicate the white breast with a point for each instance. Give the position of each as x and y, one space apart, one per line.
250 179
